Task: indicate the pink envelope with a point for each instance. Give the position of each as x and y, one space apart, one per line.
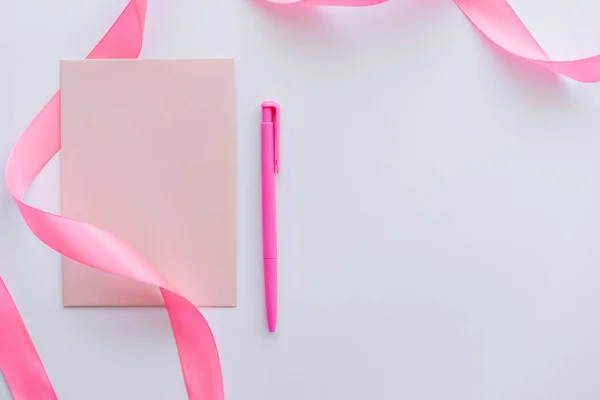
148 154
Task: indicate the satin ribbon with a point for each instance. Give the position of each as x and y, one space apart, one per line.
92 246
87 244
496 20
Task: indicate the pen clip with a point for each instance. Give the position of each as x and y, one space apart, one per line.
275 113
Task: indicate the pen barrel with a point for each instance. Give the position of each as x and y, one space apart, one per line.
268 192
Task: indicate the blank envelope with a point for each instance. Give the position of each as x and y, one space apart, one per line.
148 154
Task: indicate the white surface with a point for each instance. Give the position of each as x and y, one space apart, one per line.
439 206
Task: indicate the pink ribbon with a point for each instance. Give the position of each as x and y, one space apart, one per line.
92 246
87 244
496 20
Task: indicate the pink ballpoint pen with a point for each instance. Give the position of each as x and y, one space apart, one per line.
270 167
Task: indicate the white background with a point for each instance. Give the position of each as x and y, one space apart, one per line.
439 205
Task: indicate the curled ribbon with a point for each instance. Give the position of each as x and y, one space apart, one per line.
496 20
87 244
92 246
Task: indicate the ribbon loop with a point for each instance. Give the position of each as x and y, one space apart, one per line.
198 353
496 20
92 246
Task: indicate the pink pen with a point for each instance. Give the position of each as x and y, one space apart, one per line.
270 167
